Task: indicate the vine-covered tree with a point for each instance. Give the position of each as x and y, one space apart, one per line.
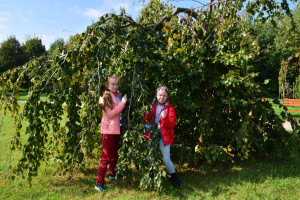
207 62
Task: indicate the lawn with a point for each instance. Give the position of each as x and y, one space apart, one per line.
23 95
251 179
279 109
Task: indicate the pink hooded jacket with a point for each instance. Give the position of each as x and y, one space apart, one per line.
110 123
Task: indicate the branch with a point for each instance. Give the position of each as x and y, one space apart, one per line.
199 2
188 11
131 23
176 12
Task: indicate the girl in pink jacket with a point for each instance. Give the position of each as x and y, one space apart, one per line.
112 106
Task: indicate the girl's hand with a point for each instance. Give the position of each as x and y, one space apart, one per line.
163 114
124 99
100 100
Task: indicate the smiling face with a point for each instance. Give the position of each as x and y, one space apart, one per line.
113 84
162 96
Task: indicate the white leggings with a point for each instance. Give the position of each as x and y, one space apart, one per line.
165 150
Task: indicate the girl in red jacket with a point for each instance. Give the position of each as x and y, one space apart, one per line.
112 106
163 113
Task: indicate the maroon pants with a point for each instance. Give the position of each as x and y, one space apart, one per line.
110 147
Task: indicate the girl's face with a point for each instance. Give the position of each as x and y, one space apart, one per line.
162 96
113 84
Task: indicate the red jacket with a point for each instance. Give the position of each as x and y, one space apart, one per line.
167 124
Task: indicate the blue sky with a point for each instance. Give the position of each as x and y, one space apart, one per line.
53 19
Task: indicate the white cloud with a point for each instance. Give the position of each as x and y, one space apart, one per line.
90 12
3 26
6 14
24 17
4 18
47 40
2 37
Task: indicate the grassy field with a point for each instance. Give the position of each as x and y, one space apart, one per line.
278 109
251 179
23 95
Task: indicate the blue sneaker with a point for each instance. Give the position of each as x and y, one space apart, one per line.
100 187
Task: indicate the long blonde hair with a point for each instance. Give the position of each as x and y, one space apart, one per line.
107 100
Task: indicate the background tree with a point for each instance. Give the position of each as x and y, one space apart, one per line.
267 64
277 44
11 54
288 41
56 46
34 48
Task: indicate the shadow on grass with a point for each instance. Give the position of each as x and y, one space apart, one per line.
193 181
253 171
296 115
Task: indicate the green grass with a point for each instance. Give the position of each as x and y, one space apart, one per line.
278 110
251 179
23 95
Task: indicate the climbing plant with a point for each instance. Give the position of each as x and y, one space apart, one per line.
206 60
